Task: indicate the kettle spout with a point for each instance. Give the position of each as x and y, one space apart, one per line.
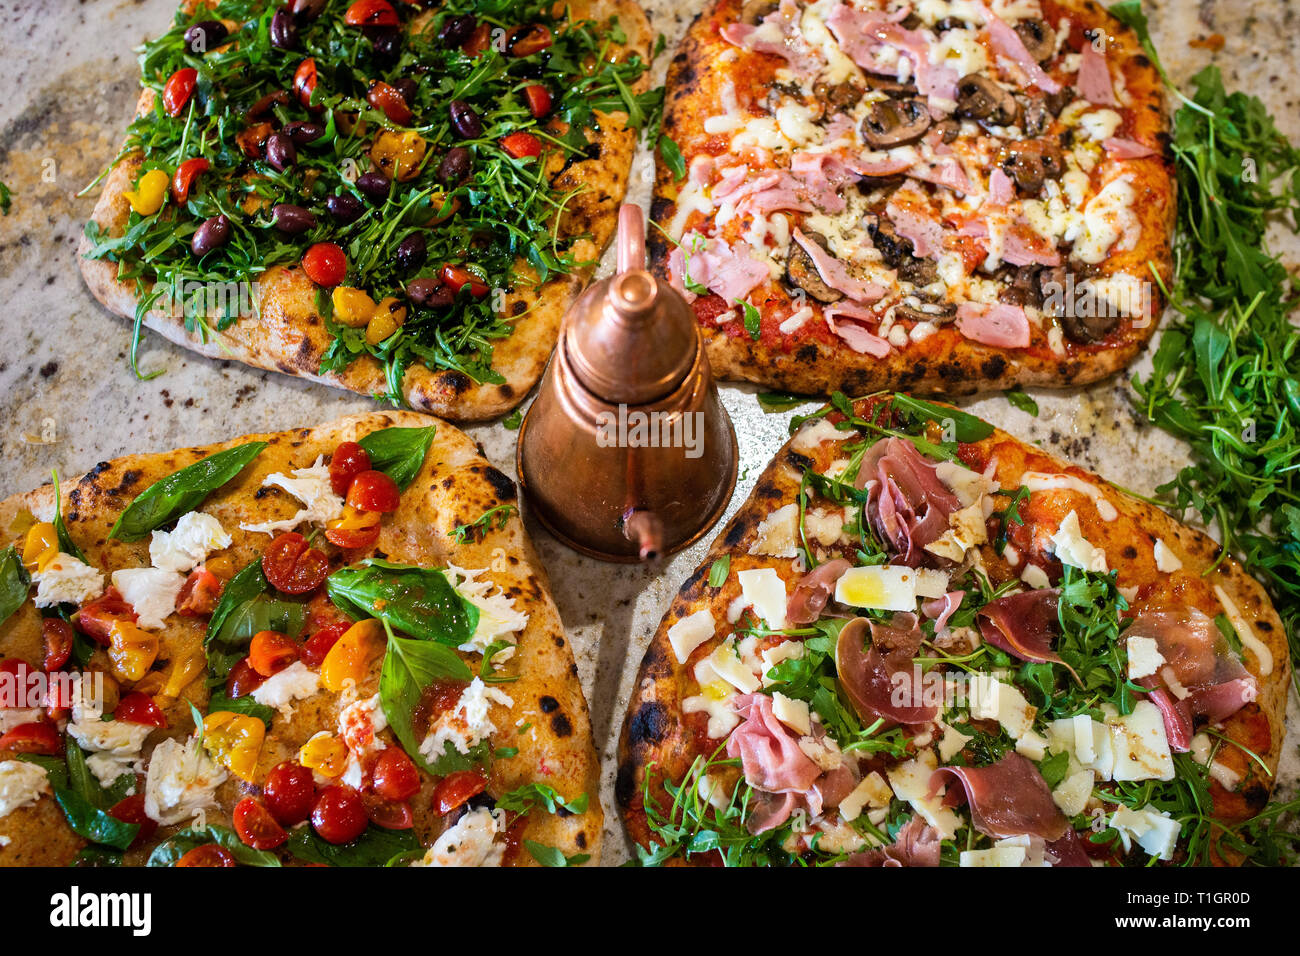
645 529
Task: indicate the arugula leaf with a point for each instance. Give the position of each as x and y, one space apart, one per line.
671 154
398 452
15 583
182 491
1021 400
522 799
180 843
418 601
477 529
551 856
753 319
246 607
410 666
966 427
375 847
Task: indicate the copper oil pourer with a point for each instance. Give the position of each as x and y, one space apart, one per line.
627 454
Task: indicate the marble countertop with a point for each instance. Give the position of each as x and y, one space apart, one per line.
71 400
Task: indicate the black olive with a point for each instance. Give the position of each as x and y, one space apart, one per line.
455 166
284 30
307 10
373 185
302 132
346 208
205 36
214 232
465 121
456 30
280 151
429 293
387 44
408 88
411 252
291 219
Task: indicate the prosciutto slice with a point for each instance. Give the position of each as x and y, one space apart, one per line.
834 273
1118 148
878 679
940 609
1095 84
1177 715
813 591
917 844
1007 43
1068 850
1024 625
769 754
1008 798
909 505
767 811
1002 325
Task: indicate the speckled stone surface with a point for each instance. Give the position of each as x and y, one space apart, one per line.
69 399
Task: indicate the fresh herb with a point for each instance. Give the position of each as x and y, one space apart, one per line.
180 843
240 705
1008 516
671 154
182 491
85 804
66 544
6 199
375 847
478 529
753 319
246 607
15 583
772 402
417 601
398 452
719 570
410 667
551 856
512 421
522 799
1021 400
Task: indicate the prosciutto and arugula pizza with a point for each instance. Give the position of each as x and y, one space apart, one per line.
923 642
389 199
948 195
328 645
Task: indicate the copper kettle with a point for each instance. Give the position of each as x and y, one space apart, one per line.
627 454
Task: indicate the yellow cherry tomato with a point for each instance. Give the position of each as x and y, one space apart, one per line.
131 650
40 547
325 754
399 155
149 193
352 654
352 307
234 741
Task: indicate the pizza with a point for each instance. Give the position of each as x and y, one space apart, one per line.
328 645
924 642
398 201
947 197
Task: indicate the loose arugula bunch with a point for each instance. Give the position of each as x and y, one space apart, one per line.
506 212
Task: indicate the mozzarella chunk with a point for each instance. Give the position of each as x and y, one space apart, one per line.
188 545
151 592
471 841
690 632
181 782
498 619
21 784
66 580
1166 561
468 723
311 486
281 689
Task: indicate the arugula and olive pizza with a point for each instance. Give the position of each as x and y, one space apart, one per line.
329 645
923 642
948 195
394 200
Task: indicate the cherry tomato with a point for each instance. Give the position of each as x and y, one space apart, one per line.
271 652
325 264
33 738
56 634
395 775
525 41
15 676
242 680
138 708
389 814
457 787
349 460
289 792
178 89
131 810
456 278
199 594
356 529
97 618
539 100
59 695
478 41
318 645
185 175
292 566
304 81
256 827
374 491
388 100
371 13
207 855
339 816
522 145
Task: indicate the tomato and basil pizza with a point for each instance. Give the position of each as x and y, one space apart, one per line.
949 195
328 645
391 199
923 642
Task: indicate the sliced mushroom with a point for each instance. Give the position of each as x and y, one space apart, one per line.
917 310
891 123
893 248
1022 286
950 23
948 129
890 86
755 10
801 272
1030 163
1051 282
1038 38
1087 329
1036 117
838 97
979 98
919 272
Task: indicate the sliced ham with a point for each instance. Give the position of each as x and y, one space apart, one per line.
908 504
835 274
773 36
878 679
769 754
813 591
1001 189
780 190
878 166
729 271
1095 84
923 231
942 171
1001 325
1022 247
1007 43
917 844
940 609
863 34
1118 148
1025 625
854 335
1008 798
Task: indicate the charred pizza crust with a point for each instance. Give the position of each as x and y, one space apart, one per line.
455 486
288 335
813 360
658 734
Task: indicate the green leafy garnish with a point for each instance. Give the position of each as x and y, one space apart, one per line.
246 607
523 799
180 843
15 583
417 601
375 847
477 529
1021 400
719 570
410 667
552 856
398 452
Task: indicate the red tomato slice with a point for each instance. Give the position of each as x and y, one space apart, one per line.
395 775
292 566
199 594
33 738
242 680
185 175
96 619
325 264
138 708
289 792
339 816
318 645
131 810
207 855
389 814
456 788
256 827
389 101
304 81
178 89
456 278
371 13
271 652
56 634
522 145
374 491
349 460
539 100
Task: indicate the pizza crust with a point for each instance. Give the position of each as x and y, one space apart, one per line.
290 337
455 486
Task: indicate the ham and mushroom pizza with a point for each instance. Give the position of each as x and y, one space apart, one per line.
949 195
330 645
391 199
923 642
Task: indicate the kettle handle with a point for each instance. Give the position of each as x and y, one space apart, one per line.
631 238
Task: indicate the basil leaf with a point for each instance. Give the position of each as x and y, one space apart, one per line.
779 401
452 760
80 780
56 770
182 491
968 427
409 668
398 452
719 570
94 824
15 583
375 847
418 601
66 544
177 845
245 608
1022 401
97 856
240 705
